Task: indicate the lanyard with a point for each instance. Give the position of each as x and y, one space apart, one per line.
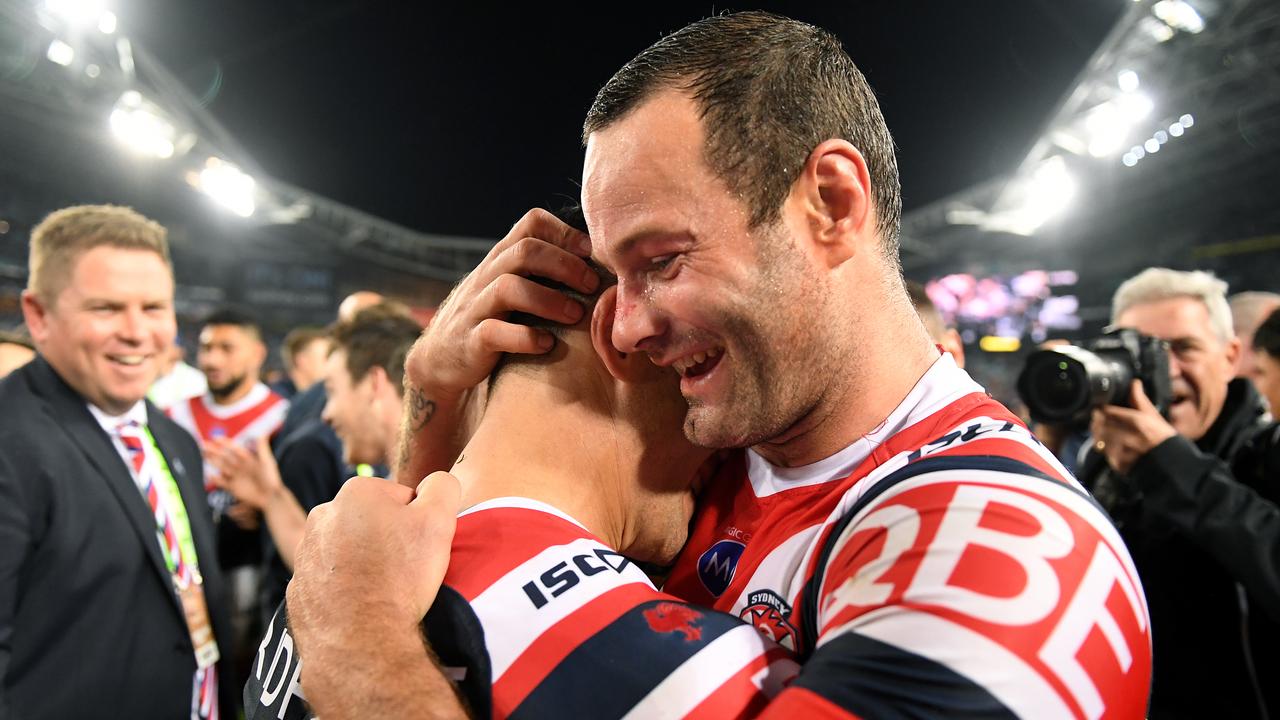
177 514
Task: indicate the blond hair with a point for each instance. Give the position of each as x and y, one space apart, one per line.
62 237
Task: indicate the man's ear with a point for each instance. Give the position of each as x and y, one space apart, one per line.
35 315
833 193
617 363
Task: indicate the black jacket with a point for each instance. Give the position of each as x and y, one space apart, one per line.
1202 521
90 625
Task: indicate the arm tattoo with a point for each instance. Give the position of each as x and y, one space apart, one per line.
421 409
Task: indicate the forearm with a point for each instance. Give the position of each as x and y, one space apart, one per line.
375 671
434 428
286 521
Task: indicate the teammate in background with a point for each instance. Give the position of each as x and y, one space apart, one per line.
578 461
304 351
16 350
944 336
1248 310
240 409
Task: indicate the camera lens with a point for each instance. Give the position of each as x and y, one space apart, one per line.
1054 387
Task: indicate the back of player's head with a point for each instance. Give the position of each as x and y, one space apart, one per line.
298 339
378 336
571 216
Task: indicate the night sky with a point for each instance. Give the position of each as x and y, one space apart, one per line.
455 120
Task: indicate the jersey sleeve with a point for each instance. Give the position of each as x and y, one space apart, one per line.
574 629
974 585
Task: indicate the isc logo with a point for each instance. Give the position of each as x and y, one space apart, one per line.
717 565
562 576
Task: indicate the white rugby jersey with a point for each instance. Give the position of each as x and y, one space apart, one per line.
539 619
944 565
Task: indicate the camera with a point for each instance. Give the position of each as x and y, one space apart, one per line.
1063 384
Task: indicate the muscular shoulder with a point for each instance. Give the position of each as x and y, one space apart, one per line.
971 564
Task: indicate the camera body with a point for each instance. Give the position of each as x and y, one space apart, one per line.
1062 385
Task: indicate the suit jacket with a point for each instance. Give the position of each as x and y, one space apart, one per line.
90 624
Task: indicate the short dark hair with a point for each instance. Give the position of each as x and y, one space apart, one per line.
378 336
770 89
572 216
297 340
1267 337
236 317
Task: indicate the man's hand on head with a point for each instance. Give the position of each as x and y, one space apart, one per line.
469 332
1123 435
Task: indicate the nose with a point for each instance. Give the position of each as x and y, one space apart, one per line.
1175 366
327 413
132 321
636 324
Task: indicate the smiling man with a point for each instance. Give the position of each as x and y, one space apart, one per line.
885 518
111 598
1195 497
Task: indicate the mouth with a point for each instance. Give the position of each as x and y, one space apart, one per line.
699 364
129 361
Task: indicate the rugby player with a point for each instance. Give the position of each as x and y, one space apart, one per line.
579 455
923 554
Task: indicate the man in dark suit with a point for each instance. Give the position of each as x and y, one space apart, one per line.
111 601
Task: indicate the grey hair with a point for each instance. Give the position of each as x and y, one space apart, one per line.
1156 284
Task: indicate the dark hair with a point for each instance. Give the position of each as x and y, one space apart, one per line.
769 89
572 216
298 339
379 336
1267 337
234 316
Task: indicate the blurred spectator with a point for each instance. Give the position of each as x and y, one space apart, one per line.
1248 309
1195 500
1266 348
943 334
178 381
364 379
16 350
240 409
111 599
303 350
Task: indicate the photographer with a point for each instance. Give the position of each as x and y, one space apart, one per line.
1195 499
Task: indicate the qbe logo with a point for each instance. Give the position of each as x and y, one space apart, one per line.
716 566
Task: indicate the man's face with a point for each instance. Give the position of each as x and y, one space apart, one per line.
1266 377
1200 363
107 331
736 311
347 412
230 357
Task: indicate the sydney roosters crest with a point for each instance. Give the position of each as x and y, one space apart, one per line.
770 615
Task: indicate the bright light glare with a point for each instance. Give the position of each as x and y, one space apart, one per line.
228 185
1186 121
1129 160
1179 15
1152 146
1176 130
60 53
1128 81
1109 124
141 126
1035 199
85 13
107 22
1161 137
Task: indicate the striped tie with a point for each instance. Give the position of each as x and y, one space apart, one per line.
204 696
